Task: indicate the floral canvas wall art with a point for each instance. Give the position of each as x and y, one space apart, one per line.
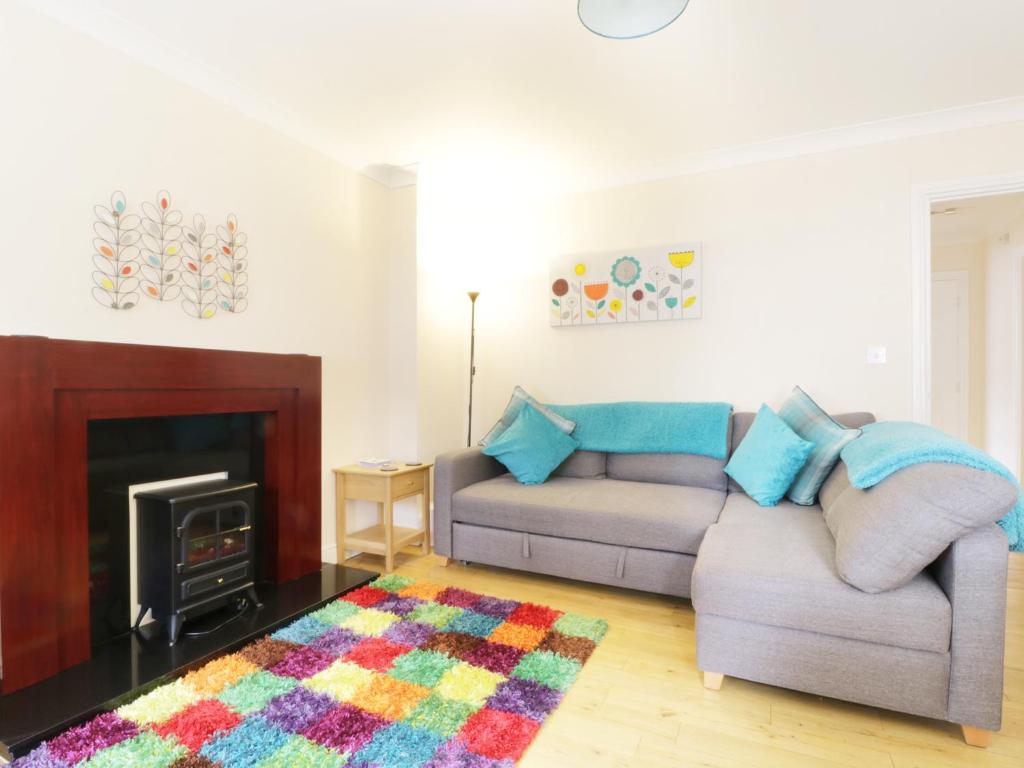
627 286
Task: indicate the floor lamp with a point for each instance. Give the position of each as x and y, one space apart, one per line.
472 360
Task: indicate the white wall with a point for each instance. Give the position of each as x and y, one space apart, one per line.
89 120
806 264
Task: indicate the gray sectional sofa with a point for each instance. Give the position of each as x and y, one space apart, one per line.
771 604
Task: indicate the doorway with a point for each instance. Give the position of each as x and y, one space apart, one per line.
968 318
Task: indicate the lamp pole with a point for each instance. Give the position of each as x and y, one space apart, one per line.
472 360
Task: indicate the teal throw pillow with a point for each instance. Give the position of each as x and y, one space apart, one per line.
769 458
807 419
532 447
521 397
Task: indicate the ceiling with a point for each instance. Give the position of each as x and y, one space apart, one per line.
976 218
399 82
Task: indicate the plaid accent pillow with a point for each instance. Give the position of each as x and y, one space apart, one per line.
521 397
807 419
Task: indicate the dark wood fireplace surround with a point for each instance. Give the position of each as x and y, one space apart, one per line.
49 390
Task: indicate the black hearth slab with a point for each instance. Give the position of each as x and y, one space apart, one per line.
133 664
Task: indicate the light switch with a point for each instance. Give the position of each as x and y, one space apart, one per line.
876 356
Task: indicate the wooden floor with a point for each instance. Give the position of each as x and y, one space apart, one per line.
639 700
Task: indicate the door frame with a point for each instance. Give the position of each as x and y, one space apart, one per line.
962 279
922 198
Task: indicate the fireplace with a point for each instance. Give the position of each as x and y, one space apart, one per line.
55 391
196 550
133 455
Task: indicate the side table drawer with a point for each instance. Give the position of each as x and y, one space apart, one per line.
364 488
406 485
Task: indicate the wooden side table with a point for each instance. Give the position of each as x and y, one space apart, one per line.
358 483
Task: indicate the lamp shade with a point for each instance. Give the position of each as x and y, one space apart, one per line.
624 19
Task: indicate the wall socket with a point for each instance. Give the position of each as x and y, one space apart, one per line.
875 356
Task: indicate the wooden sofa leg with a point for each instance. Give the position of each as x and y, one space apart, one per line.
713 681
445 561
976 737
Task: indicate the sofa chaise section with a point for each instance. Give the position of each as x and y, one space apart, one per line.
771 607
781 570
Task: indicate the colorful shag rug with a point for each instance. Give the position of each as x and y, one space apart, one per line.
397 674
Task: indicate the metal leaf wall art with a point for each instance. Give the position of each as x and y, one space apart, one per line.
161 246
231 275
158 256
198 271
116 255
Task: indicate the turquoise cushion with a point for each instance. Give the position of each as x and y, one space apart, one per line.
768 459
805 417
532 447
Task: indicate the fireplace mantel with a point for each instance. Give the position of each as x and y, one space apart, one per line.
49 390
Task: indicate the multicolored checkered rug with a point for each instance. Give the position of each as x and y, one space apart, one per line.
397 674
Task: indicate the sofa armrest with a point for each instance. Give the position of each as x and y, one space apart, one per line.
452 472
972 573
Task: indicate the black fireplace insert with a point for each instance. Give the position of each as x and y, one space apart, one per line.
196 550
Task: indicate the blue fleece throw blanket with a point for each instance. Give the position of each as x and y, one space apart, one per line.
889 446
700 428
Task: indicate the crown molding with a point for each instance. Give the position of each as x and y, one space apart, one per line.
978 115
149 49
395 176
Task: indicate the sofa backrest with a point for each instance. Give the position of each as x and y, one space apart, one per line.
583 464
742 420
670 468
885 535
677 468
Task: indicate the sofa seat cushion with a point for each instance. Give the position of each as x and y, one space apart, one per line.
672 518
777 567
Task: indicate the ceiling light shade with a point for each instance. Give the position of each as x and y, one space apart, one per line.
624 19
